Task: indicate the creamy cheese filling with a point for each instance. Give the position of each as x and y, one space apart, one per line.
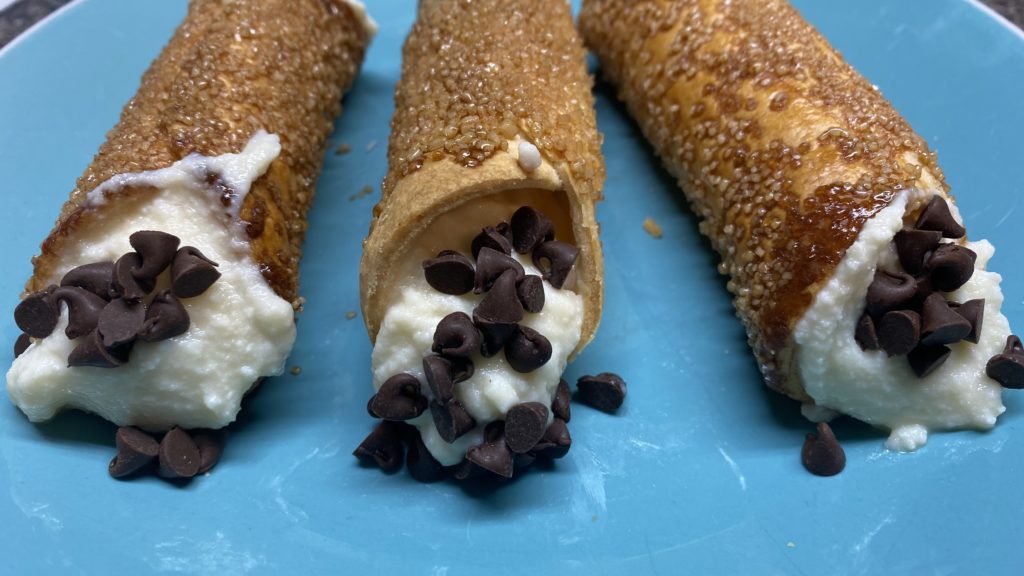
241 330
869 385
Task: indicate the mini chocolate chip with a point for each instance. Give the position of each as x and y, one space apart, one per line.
135 449
451 419
560 404
490 265
192 273
912 246
438 371
940 324
865 335
398 399
178 455
606 391
525 425
91 352
822 455
951 266
494 238
936 216
456 336
95 278
493 454
556 441
559 257
124 284
495 335
157 251
501 305
889 291
84 309
531 293
1007 367
120 321
421 464
925 359
530 227
383 446
974 312
899 332
527 350
21 344
37 313
449 273
211 447
166 318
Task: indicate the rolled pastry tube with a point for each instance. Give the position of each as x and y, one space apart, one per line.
221 148
493 112
802 175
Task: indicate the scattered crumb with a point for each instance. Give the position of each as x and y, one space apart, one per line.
298 304
790 544
343 148
371 145
652 228
350 314
296 370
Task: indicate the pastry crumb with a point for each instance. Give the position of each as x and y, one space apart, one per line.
652 227
343 148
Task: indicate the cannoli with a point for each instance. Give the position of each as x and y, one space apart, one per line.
482 271
168 285
846 256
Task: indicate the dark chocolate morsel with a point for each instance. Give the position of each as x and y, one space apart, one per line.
449 273
925 359
530 227
951 266
421 464
84 309
91 352
166 318
899 332
556 441
495 335
493 454
157 251
438 372
383 447
822 455
525 425
560 404
889 291
178 455
936 216
124 284
37 313
120 321
492 237
531 293
606 391
1007 367
95 278
940 324
555 261
192 272
211 447
974 312
866 335
490 265
456 336
912 246
398 399
501 305
135 449
21 344
451 419
527 350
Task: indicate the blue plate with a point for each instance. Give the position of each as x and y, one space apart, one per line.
700 472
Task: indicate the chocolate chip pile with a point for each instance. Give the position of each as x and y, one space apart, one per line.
180 454
107 305
508 294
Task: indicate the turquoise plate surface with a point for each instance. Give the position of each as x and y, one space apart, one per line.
699 473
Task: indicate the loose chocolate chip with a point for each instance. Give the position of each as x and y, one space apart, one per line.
21 344
124 283
211 447
501 305
456 336
84 309
157 251
135 449
606 391
493 454
1007 367
495 335
120 321
192 272
974 312
531 293
560 405
449 273
529 228
823 455
166 318
899 332
398 399
556 441
451 419
940 324
95 278
527 350
925 359
936 216
421 464
912 246
525 425
865 335
555 261
951 266
91 352
178 455
37 313
383 446
493 237
889 291
490 265
438 371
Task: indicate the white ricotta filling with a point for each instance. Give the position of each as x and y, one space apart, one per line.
884 391
241 330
